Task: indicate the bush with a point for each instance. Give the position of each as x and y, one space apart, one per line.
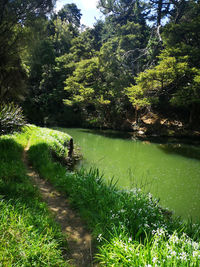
11 118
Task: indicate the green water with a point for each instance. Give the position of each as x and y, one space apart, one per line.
171 172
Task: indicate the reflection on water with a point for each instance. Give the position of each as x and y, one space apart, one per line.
170 171
192 152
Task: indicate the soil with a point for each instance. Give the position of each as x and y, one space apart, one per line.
153 124
79 239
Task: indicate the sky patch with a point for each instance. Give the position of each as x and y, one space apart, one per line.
88 9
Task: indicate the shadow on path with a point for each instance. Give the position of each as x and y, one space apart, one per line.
78 237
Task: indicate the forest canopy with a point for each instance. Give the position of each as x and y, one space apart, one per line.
143 57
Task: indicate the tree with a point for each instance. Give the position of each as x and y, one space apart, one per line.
121 11
160 9
97 33
84 45
159 82
62 33
50 63
170 82
137 98
189 97
84 88
23 11
15 16
174 79
163 9
71 14
183 39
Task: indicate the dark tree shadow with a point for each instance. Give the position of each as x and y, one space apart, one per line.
109 133
187 151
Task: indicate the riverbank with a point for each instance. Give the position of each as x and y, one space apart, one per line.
153 125
166 167
130 219
163 128
129 227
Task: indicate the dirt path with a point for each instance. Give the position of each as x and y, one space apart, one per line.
78 237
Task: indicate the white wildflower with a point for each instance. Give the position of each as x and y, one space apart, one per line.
195 245
173 253
174 239
99 238
183 256
195 254
154 259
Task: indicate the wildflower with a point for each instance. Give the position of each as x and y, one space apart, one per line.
195 245
159 232
154 259
174 239
195 254
183 256
167 246
173 253
99 238
153 232
184 235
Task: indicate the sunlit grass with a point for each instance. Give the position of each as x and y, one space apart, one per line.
29 236
130 228
161 249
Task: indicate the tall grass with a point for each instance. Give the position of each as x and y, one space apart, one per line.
29 236
130 228
161 249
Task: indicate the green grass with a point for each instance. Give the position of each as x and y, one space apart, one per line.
56 141
29 236
130 228
160 250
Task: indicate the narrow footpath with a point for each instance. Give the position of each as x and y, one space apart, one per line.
79 252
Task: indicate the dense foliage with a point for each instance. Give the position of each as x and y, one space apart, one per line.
11 118
143 56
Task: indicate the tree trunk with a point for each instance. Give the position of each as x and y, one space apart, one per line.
70 148
136 114
159 12
193 118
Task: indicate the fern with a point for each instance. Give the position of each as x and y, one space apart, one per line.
11 118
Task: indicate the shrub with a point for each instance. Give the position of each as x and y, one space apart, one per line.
11 118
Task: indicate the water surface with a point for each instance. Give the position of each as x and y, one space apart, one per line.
170 171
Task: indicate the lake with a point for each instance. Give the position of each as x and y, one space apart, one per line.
169 170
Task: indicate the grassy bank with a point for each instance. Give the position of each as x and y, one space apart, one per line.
29 236
129 227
